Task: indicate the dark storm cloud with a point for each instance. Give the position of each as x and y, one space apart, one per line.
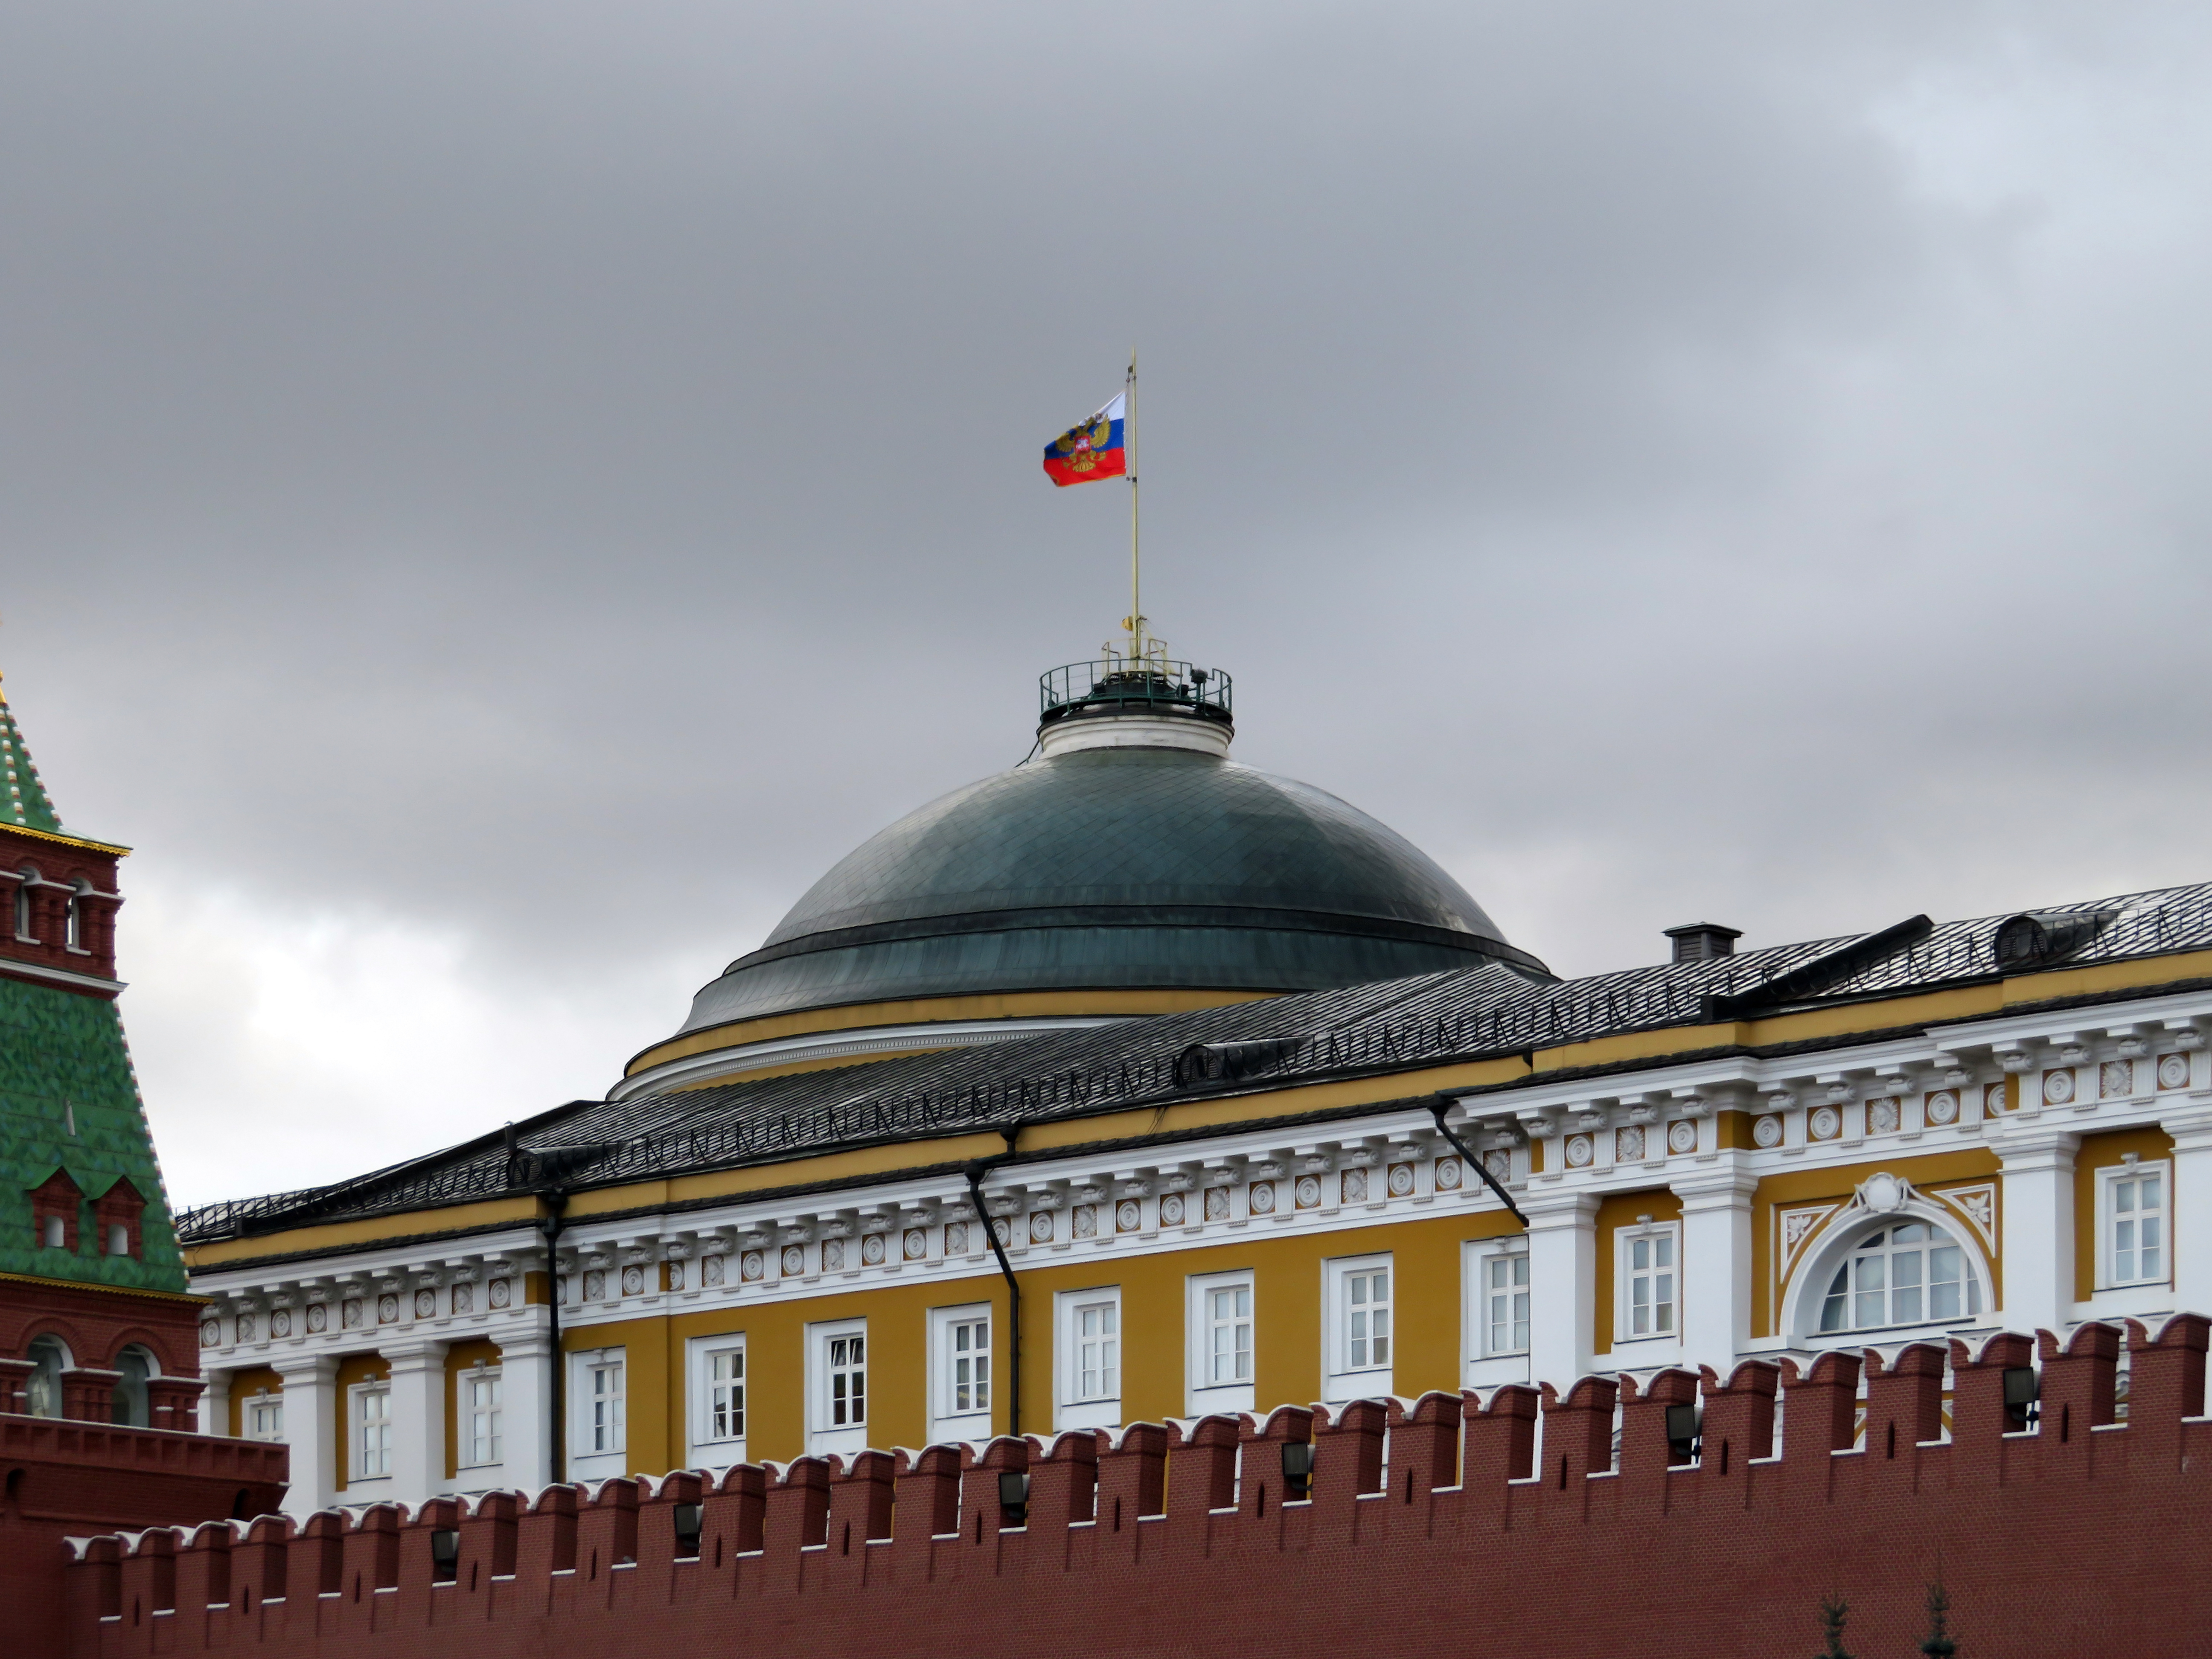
561 474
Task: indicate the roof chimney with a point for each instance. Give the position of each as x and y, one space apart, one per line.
1701 941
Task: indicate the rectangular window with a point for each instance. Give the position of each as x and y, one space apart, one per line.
2135 1204
264 1416
1647 1276
1097 1350
1087 1357
480 1419
845 1368
1367 1319
372 1436
714 1373
1505 1303
1359 1331
1221 1343
968 1366
1229 1335
725 1394
961 1374
604 1418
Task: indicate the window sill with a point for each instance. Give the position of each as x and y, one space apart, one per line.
1884 1335
1088 1414
1492 1370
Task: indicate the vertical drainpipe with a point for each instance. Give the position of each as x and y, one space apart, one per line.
557 1204
976 1172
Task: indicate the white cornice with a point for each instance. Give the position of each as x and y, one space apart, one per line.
60 975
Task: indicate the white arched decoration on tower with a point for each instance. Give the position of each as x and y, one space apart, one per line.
1883 1199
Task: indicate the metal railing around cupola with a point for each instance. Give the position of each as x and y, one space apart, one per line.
1118 685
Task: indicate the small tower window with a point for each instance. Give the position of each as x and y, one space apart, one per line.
133 1405
73 921
119 1238
23 880
42 1389
55 1237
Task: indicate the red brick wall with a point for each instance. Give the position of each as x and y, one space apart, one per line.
98 1324
58 861
60 1478
1480 1536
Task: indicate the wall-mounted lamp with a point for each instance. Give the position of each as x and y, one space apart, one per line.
1297 1470
2022 1388
1014 1498
445 1555
1683 1425
690 1522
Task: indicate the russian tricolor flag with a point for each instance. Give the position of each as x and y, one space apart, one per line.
1091 451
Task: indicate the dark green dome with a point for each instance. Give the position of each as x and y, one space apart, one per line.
1114 868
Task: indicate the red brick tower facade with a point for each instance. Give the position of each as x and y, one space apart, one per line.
100 1375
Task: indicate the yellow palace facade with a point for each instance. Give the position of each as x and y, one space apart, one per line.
1133 1084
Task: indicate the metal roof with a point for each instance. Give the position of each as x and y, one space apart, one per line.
1462 1014
1113 868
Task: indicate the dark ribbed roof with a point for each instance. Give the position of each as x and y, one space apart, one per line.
1470 1013
1114 868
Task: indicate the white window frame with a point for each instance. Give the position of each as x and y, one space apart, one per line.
1944 1234
1485 1260
590 1457
272 1431
466 1453
1081 1402
1343 1379
2109 1217
358 1426
1661 1237
711 1443
1203 1394
824 1433
948 1422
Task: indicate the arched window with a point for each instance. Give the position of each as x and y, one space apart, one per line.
133 1402
1907 1274
42 1389
24 880
73 919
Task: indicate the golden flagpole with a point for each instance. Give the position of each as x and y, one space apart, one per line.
1136 601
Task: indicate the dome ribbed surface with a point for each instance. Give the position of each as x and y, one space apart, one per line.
1114 868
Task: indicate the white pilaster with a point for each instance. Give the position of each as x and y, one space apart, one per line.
2191 1208
214 1407
1562 1285
1716 1263
311 1430
2038 1226
418 1419
526 1371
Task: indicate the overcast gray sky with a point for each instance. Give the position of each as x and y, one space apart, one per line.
496 497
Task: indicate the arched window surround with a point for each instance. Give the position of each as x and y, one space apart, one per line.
25 912
42 1389
1882 1200
132 1402
74 916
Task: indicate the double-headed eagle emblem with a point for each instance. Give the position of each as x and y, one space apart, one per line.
1079 443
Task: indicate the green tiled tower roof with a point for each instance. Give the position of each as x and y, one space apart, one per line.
26 802
69 1100
68 1096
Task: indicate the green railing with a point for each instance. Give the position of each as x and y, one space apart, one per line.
1118 685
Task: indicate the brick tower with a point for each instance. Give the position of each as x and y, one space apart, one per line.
95 1322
